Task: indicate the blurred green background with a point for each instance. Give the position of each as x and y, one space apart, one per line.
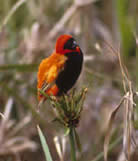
28 32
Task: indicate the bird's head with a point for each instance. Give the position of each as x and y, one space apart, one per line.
66 44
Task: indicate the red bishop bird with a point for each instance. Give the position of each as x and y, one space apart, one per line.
58 73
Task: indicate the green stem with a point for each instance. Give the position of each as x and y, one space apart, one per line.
72 144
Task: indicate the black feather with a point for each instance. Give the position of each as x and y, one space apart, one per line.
67 78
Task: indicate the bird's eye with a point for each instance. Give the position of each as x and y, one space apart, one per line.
74 44
70 44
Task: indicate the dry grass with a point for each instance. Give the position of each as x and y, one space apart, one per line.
28 31
128 105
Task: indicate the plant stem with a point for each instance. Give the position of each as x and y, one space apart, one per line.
72 144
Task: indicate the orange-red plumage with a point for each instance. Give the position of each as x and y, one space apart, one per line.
56 74
48 71
60 43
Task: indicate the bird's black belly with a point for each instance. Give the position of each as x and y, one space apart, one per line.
67 78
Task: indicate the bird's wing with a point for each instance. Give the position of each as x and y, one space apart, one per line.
48 71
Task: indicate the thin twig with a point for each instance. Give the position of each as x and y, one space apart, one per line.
109 127
111 147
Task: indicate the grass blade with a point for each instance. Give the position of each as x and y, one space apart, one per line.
44 145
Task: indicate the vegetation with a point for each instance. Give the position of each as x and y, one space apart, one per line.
107 33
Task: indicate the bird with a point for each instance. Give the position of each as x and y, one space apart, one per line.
58 73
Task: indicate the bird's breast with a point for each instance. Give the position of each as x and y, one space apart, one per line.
72 68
